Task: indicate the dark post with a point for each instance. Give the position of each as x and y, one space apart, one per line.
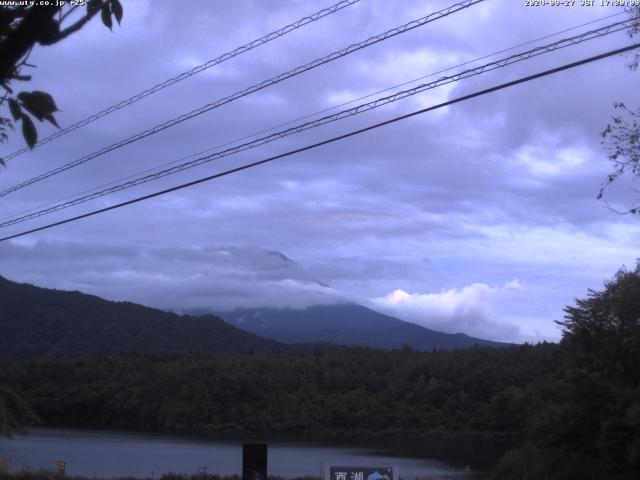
254 461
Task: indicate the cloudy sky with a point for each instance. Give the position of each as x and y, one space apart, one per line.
480 217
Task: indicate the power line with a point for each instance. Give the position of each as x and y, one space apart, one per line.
311 115
272 81
331 140
570 41
189 73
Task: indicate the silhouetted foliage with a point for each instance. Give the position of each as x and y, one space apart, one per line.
622 136
22 27
591 429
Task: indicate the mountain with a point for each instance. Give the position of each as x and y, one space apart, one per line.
40 322
345 324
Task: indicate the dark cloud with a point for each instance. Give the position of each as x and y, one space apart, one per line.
493 189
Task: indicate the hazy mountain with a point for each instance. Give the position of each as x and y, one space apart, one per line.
38 321
344 324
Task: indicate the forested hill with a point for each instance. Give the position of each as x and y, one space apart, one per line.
340 391
346 324
41 322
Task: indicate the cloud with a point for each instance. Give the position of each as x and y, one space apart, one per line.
469 309
218 278
499 187
548 157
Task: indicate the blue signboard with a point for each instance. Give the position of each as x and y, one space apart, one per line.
360 473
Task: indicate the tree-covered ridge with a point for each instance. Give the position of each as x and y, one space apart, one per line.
41 322
576 404
331 391
591 427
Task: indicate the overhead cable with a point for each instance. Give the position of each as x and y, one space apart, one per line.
307 116
189 73
242 93
575 40
330 140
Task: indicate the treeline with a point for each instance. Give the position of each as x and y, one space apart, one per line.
575 404
337 391
591 427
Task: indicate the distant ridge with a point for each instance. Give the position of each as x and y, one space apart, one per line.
345 324
41 322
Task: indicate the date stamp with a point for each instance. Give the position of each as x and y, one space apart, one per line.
582 3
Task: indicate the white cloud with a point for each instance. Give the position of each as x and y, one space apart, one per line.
338 97
406 65
550 160
469 309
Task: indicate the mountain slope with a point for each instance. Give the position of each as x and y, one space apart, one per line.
38 321
345 324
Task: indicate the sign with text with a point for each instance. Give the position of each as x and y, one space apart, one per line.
359 473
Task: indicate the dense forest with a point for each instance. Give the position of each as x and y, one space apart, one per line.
591 427
332 391
575 406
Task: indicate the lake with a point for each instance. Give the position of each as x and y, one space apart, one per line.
116 454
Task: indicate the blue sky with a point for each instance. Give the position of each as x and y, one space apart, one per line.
480 217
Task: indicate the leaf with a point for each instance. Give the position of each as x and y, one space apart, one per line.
39 104
51 119
116 8
33 110
93 6
106 16
2 162
29 131
14 108
45 100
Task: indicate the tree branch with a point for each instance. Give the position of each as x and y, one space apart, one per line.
75 27
38 24
63 16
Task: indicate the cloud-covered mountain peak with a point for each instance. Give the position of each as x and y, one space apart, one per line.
180 278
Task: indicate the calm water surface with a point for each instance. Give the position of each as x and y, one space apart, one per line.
115 454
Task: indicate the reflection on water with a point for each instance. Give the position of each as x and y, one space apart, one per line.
116 454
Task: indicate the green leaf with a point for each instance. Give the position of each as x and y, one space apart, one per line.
29 131
106 16
116 8
2 162
14 108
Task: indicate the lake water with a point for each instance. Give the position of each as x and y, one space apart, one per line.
116 454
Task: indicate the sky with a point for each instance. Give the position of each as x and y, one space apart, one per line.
480 217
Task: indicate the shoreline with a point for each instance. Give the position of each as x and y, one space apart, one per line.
274 435
108 453
51 475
